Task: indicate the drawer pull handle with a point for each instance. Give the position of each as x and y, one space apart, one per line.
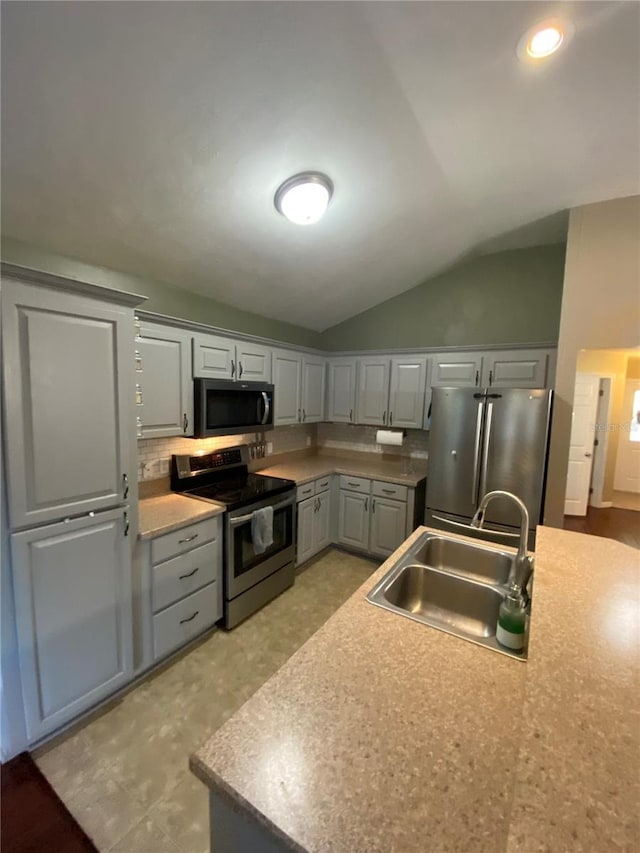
389 491
190 574
188 539
190 619
356 485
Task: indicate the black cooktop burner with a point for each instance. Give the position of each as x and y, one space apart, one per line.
242 489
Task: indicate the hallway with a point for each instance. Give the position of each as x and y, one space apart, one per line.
623 525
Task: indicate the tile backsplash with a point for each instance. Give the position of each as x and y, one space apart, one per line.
154 454
363 440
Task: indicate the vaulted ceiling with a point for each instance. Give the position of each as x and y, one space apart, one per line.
150 137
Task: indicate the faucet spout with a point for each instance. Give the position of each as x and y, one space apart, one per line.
522 565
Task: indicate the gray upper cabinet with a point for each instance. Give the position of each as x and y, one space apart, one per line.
407 392
72 586
254 362
341 391
287 376
456 370
216 357
516 369
69 402
373 390
165 380
314 371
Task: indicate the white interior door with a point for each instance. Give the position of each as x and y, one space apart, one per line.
585 406
627 474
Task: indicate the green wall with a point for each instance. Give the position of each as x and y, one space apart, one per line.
504 298
163 298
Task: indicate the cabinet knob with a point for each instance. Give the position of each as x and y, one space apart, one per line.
454 453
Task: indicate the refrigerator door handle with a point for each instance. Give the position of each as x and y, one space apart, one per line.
485 452
476 456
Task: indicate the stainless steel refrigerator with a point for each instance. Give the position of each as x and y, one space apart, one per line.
481 440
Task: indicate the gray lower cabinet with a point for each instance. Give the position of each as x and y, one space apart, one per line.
353 522
314 519
72 585
388 525
68 385
185 582
163 359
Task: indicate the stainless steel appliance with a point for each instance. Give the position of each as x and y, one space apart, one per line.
251 579
481 441
226 407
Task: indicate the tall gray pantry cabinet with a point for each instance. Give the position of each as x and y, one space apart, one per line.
68 375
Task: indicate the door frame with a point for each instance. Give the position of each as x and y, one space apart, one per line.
601 450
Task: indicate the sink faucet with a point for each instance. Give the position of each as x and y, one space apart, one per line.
522 566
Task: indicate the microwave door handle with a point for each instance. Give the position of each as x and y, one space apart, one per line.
267 408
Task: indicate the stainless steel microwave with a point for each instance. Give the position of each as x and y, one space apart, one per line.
225 407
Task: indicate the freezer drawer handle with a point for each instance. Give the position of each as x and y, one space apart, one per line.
469 527
190 574
190 619
188 539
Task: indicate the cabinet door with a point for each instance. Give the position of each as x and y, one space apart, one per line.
373 391
306 518
72 585
287 375
68 378
254 362
456 370
406 396
322 522
341 392
353 526
214 357
313 387
165 380
516 369
388 526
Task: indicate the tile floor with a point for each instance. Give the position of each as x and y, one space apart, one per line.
124 775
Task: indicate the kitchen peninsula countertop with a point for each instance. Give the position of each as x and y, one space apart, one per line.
382 734
166 512
401 470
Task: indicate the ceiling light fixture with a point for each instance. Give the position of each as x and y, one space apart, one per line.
303 198
544 39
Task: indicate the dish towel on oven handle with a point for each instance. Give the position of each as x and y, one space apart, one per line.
262 529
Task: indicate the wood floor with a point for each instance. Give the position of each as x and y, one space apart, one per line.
623 525
34 818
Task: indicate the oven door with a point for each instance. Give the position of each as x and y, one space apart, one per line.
244 567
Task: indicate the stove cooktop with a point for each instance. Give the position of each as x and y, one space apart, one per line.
242 489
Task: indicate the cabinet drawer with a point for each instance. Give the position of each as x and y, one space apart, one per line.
389 490
323 484
184 539
182 575
355 484
306 491
179 623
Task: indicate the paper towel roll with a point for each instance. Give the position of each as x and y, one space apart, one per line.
388 436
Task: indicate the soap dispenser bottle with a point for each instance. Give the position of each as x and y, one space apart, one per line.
512 620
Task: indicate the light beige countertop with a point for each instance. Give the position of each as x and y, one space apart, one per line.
382 734
403 470
164 513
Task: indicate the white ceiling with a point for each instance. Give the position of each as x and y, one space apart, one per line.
150 137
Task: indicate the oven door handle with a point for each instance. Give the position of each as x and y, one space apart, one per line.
242 519
267 408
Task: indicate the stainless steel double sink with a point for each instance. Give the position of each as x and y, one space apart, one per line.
451 585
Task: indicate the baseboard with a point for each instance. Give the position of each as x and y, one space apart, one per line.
601 504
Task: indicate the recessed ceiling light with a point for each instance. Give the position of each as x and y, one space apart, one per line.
303 198
544 39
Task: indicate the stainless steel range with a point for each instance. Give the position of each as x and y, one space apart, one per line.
251 577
